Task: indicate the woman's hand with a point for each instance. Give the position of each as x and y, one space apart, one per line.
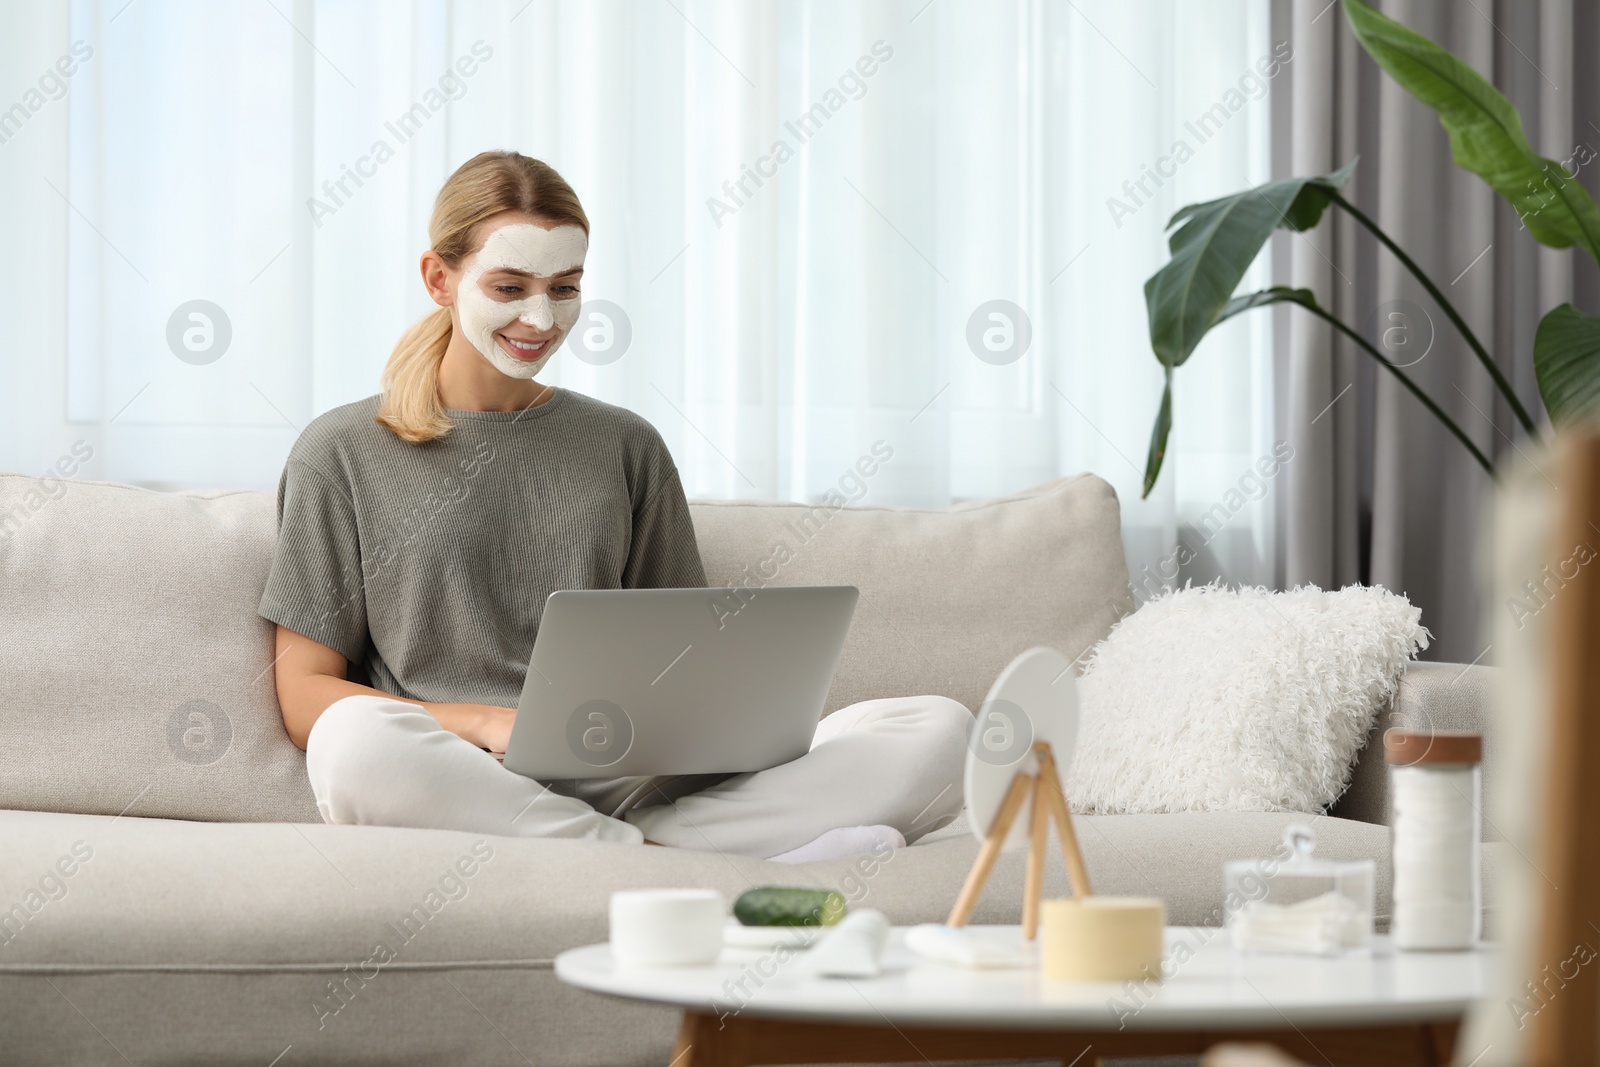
485 725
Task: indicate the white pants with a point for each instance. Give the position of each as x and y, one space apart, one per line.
896 761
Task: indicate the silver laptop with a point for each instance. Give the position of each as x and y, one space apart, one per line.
677 681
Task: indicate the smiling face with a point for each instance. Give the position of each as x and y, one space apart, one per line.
518 294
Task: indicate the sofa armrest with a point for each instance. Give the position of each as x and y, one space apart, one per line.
1431 696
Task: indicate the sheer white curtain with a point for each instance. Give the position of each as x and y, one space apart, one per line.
802 213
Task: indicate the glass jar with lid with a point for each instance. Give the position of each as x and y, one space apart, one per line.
1295 903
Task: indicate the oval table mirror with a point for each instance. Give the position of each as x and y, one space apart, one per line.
1021 739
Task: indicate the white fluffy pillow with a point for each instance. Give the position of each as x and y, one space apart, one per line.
1211 699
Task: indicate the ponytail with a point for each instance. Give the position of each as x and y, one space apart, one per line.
411 406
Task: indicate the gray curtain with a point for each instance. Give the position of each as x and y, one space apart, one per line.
1378 491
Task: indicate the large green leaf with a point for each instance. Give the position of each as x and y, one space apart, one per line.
1215 246
1158 435
1158 438
1566 358
1279 294
1485 131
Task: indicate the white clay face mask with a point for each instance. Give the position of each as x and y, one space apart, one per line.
534 250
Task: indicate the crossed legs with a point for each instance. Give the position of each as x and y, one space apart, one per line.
895 761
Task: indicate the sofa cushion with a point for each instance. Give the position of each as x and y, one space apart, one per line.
251 928
948 596
284 895
134 671
1218 699
135 674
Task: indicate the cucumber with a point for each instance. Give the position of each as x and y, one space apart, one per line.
778 906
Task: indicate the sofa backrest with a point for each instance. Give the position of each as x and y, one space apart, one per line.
948 596
136 676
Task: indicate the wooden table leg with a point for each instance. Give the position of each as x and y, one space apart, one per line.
707 1041
1442 1040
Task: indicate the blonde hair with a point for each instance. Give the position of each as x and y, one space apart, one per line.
484 186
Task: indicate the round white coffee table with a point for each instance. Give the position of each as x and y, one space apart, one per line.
751 1007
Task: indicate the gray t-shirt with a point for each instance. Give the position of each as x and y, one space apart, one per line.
428 565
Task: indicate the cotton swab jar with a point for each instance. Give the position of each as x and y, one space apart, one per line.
1436 786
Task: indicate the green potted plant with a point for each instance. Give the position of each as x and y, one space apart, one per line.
1218 240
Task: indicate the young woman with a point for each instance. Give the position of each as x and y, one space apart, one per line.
421 530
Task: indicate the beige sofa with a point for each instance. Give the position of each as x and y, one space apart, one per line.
167 894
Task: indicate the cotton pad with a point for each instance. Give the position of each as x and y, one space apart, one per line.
967 946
